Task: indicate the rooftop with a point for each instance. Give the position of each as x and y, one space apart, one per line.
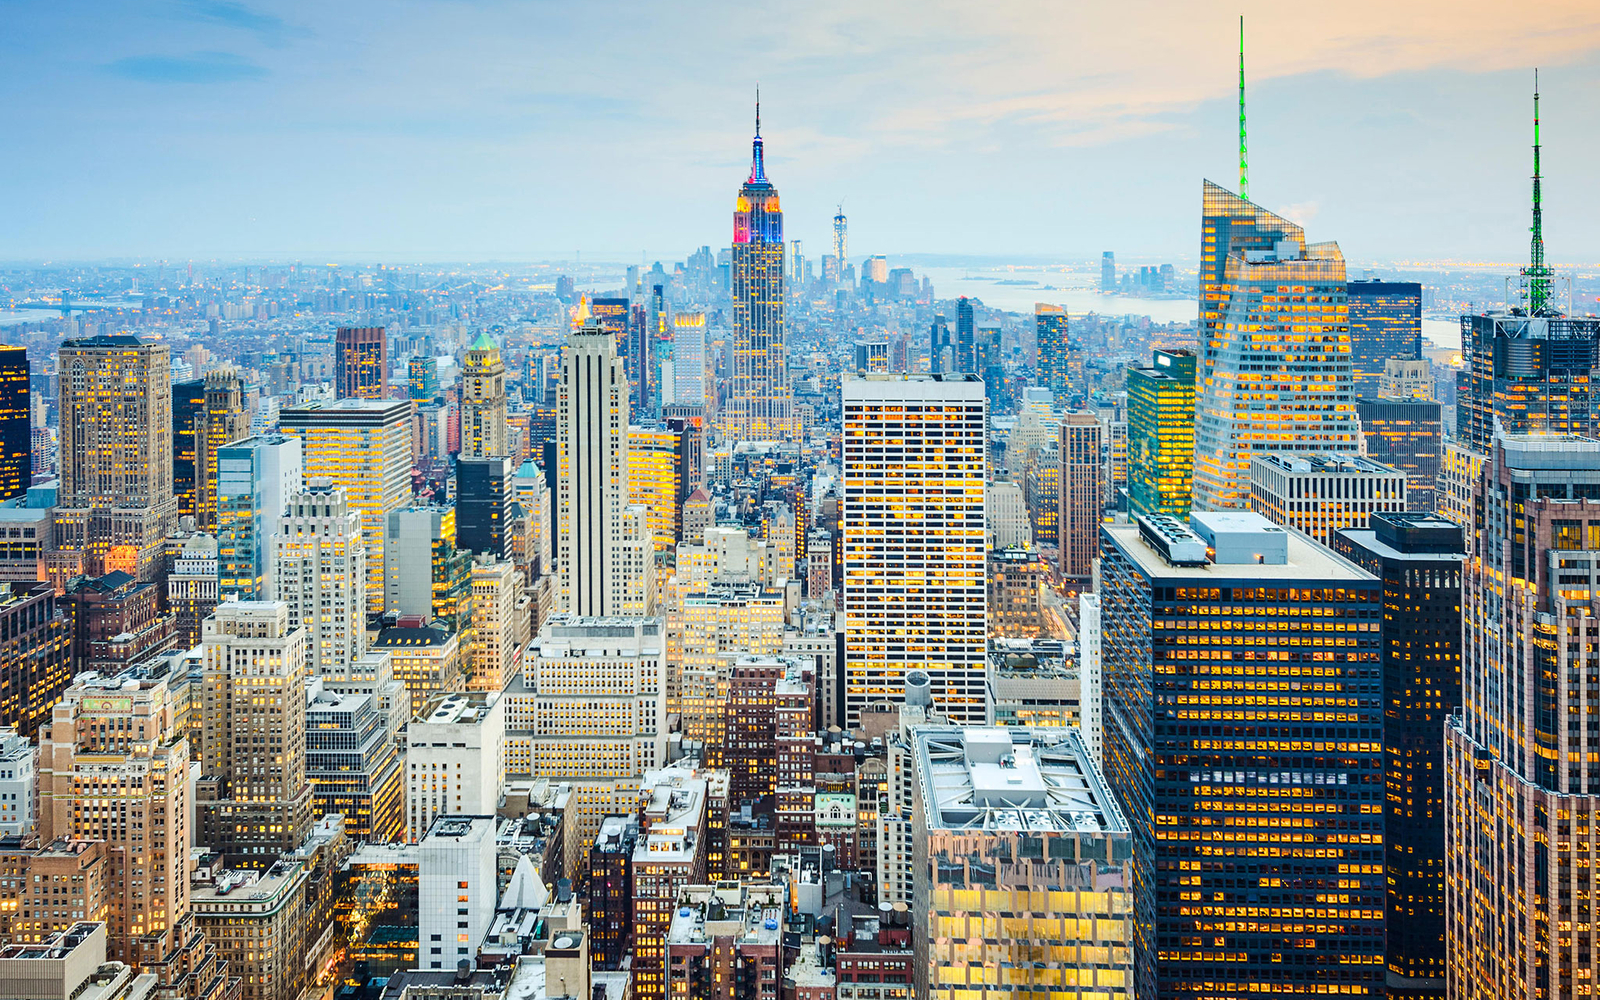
467 708
1012 779
1325 465
751 914
1228 541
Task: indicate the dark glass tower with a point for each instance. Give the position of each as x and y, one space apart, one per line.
188 402
760 405
1418 558
361 362
483 505
1385 322
1050 330
1407 434
16 423
966 353
938 342
1243 730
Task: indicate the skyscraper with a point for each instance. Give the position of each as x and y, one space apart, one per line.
913 522
593 529
361 362
1385 323
483 402
1323 495
1407 434
966 338
1108 272
187 400
688 360
1261 388
484 499
1418 558
221 420
16 423
423 378
115 505
1242 721
1161 435
1522 758
1082 495
320 569
760 406
1050 328
940 347
255 478
253 797
362 446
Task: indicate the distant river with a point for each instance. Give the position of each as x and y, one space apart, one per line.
1016 289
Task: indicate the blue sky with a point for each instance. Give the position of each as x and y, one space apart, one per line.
434 129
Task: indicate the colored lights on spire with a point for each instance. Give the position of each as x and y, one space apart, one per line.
1244 160
1538 275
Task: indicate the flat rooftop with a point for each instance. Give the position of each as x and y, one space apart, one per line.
466 708
997 779
1306 561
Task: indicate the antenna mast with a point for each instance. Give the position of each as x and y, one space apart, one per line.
1539 275
1244 159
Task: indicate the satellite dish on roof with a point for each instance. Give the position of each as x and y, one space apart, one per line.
565 941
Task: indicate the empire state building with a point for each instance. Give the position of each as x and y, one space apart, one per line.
760 403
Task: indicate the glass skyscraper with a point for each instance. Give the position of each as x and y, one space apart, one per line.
16 423
1050 328
1407 434
1243 729
1385 322
1275 347
1161 435
760 405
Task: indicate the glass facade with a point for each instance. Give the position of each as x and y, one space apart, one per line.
1243 727
1529 375
16 423
1161 435
361 368
1418 558
1385 322
1050 329
1407 434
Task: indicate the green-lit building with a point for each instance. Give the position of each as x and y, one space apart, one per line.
1161 435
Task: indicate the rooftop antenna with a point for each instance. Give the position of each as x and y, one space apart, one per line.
758 111
1244 160
1538 274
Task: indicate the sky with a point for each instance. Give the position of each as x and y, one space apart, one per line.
525 129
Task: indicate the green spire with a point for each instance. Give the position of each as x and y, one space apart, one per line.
1244 160
1537 274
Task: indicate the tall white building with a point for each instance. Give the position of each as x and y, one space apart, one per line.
689 359
321 574
600 559
456 889
912 518
1008 517
455 758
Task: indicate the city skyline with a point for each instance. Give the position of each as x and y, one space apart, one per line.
285 129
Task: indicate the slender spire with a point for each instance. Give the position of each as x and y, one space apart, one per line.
1539 276
758 168
758 111
1244 160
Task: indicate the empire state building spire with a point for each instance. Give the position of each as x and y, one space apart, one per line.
758 170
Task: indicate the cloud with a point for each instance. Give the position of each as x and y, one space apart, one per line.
199 67
268 27
1302 213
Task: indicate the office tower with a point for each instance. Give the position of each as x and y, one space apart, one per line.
119 733
456 889
688 422
970 785
1050 330
428 576
1082 495
1108 272
265 943
483 504
1323 495
221 420
1259 805
688 360
192 587
455 758
361 362
483 401
1406 434
16 423
364 447
48 890
422 378
870 356
353 765
320 565
1016 576
255 479
1161 435
1419 559
254 802
497 635
1526 375
1402 379
1522 783
187 400
670 854
819 565
590 710
1385 323
705 633
611 891
841 242
592 479
35 654
427 659
913 521
1253 396
1091 678
966 341
797 266
117 622
612 315
1008 517
760 405
655 478
1042 492
940 346
115 505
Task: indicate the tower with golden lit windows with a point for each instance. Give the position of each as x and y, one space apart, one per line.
16 423
1275 366
483 402
760 401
